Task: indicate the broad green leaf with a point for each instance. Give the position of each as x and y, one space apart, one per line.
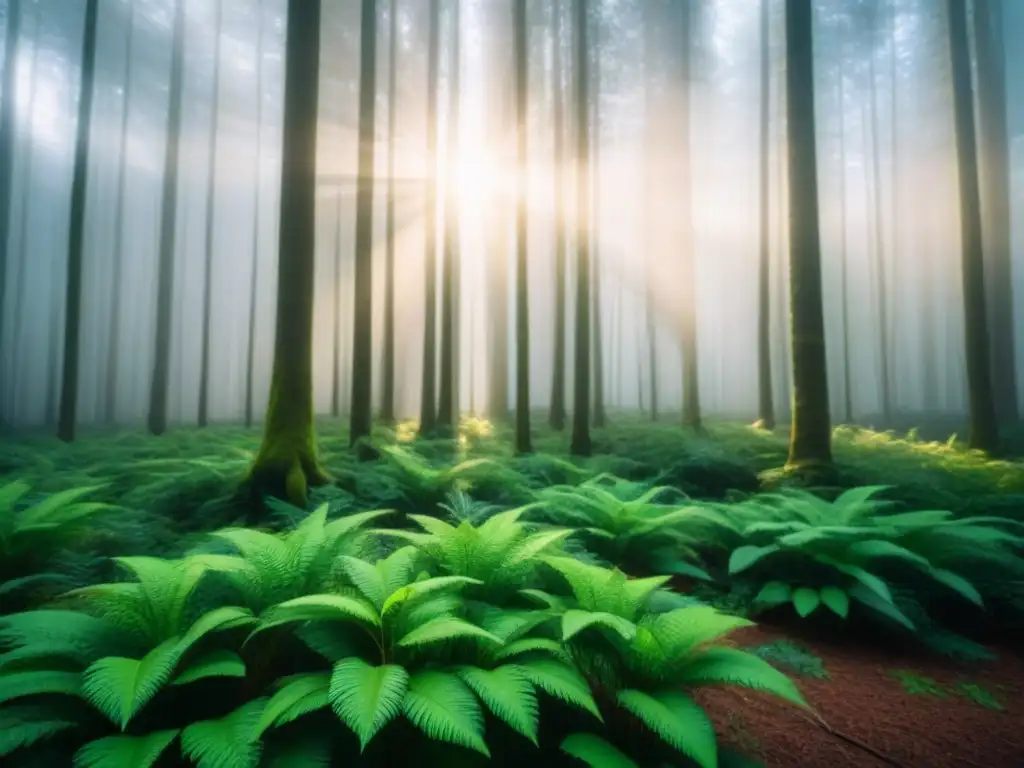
365 697
120 687
957 583
887 608
774 593
15 685
595 751
444 629
744 557
837 600
805 600
297 696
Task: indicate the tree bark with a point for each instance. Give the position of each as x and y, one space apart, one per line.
557 417
76 241
688 313
810 435
984 431
519 31
287 462
428 404
764 337
211 207
361 415
581 443
160 383
387 400
7 114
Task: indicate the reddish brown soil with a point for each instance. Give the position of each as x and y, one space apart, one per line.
863 701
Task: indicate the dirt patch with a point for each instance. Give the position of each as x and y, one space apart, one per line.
913 711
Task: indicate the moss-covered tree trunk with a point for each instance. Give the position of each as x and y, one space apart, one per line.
557 415
523 443
447 409
581 443
250 358
116 300
995 157
810 435
76 242
361 414
766 401
387 397
287 462
428 392
211 208
984 431
160 382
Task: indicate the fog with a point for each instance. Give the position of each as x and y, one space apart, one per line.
888 192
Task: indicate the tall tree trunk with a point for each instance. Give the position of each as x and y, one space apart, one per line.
76 244
519 36
995 177
428 404
557 417
984 430
7 113
211 208
336 321
764 336
810 436
581 444
447 412
254 277
597 316
160 383
882 283
387 400
287 462
497 273
843 251
114 329
688 313
361 415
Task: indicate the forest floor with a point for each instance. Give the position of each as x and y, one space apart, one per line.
878 704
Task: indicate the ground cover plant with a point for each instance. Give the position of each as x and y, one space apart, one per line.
476 602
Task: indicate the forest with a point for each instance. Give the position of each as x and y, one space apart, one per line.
610 383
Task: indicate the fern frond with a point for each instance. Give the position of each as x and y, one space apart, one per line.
561 681
506 692
575 621
17 685
27 725
365 697
227 742
219 663
298 695
444 708
120 687
120 751
595 751
678 720
445 629
729 666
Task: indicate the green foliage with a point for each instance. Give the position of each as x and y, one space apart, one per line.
918 685
792 658
815 554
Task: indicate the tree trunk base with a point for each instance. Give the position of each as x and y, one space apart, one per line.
287 471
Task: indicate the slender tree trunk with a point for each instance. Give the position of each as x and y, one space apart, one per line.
76 240
984 430
597 316
519 32
336 324
287 462
211 208
581 444
764 336
254 278
497 289
843 251
995 154
387 401
882 283
428 404
688 313
557 416
810 436
447 412
160 383
361 415
7 113
114 329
